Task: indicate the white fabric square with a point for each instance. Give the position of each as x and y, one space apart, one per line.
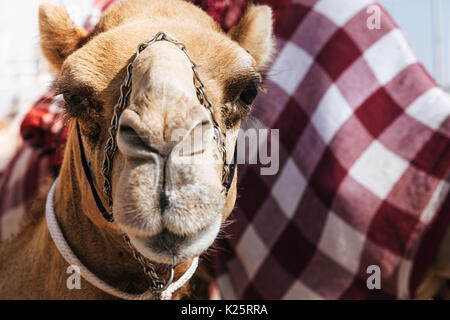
290 67
226 287
438 197
299 291
342 243
431 108
405 269
19 168
389 55
289 188
331 114
251 251
341 11
378 169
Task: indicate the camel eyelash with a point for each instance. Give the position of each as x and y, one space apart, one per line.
78 102
234 111
235 85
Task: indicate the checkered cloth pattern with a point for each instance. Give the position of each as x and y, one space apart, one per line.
44 133
364 164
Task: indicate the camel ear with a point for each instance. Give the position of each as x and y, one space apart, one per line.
60 36
254 33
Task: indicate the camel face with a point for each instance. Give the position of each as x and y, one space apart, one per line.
167 191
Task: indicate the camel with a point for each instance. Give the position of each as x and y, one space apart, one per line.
169 204
171 209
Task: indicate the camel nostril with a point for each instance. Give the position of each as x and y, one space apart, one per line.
131 142
128 135
197 140
127 130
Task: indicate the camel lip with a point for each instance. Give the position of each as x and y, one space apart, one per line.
165 241
169 248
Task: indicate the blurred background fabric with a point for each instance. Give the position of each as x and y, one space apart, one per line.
364 150
24 74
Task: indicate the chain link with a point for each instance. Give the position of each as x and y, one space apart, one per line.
157 283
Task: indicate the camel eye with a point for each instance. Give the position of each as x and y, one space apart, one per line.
248 95
72 99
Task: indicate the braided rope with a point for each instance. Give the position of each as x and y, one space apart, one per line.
167 294
68 255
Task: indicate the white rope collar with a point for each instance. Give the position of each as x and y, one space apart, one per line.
68 255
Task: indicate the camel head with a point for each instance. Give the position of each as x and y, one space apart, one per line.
167 187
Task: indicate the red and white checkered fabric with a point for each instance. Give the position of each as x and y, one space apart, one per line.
45 134
364 164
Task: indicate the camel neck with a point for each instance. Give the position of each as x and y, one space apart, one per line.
95 241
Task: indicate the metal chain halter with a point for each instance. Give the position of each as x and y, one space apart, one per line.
125 90
157 283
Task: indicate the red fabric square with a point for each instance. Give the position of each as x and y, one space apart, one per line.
292 122
327 177
391 228
251 293
237 223
219 264
378 112
268 107
444 128
292 240
406 136
350 142
427 160
311 216
409 84
306 35
312 88
357 83
338 54
308 151
290 19
326 277
254 190
268 224
263 284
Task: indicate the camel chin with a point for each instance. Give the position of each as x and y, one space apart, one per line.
169 248
182 230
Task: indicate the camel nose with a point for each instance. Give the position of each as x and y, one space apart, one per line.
195 141
137 139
